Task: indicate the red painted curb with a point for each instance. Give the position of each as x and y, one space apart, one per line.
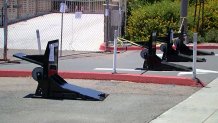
15 73
205 47
200 46
109 76
102 47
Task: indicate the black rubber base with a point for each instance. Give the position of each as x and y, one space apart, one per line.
154 63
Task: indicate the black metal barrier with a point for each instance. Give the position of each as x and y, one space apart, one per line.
183 49
172 55
153 62
50 84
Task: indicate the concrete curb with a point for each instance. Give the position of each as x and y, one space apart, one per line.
200 46
184 81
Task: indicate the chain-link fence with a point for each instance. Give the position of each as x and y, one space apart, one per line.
86 6
18 10
80 28
83 32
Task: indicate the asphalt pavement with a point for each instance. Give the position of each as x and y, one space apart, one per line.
127 62
175 100
127 102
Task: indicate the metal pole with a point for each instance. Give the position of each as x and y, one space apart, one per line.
5 25
184 13
194 55
120 19
171 36
106 27
2 9
62 18
38 41
125 18
115 52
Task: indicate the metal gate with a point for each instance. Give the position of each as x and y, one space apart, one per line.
17 11
86 6
23 9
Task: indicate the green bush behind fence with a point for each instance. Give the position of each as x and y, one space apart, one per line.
162 14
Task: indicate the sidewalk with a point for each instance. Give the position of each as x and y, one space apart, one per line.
201 107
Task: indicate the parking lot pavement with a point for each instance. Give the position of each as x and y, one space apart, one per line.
127 62
127 103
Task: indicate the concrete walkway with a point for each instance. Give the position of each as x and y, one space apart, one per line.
201 107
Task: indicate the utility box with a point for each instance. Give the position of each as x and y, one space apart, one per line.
112 20
115 17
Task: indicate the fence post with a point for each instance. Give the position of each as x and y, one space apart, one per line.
115 52
38 41
171 36
5 25
184 13
120 19
62 10
106 25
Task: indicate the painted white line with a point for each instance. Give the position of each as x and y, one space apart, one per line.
118 69
159 55
128 70
199 71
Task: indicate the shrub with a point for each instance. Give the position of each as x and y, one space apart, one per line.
211 35
210 16
166 13
158 16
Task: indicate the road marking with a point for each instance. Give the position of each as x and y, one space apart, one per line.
159 55
128 70
118 69
199 71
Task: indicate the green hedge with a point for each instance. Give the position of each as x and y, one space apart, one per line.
210 25
160 15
